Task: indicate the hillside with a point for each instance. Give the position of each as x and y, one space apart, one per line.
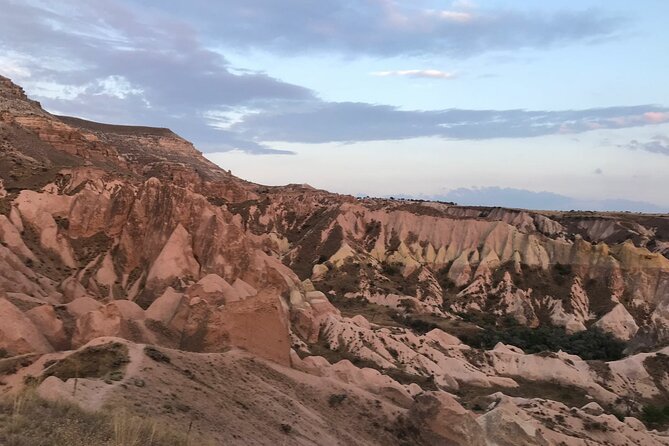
299 315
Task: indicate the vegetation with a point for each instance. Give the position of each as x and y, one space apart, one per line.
28 420
336 399
591 344
100 361
419 325
391 269
156 355
655 417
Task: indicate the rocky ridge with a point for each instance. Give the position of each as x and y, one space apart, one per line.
130 232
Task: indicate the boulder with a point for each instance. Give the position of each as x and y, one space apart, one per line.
592 408
441 420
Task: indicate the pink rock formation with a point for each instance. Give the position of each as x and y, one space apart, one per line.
130 232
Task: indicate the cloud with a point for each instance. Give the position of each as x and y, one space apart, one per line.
526 199
390 27
454 16
321 122
598 171
108 62
150 63
430 74
656 117
657 144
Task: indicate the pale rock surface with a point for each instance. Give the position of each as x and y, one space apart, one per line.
510 426
11 237
82 305
50 325
105 321
258 325
165 307
619 322
443 421
243 289
592 408
38 210
215 290
318 271
175 260
73 289
18 334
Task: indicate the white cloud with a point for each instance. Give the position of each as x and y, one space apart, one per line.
14 66
455 16
118 86
463 4
430 74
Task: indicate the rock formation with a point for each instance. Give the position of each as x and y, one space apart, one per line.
130 235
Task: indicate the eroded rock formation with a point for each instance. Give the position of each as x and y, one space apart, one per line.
129 232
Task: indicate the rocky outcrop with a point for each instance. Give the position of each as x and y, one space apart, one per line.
619 323
18 334
442 420
175 260
130 232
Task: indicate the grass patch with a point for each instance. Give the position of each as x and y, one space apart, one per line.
28 420
100 361
9 366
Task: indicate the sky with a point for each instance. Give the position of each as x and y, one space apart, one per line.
544 105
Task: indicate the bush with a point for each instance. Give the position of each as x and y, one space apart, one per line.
592 344
156 354
654 416
391 269
563 270
336 399
92 362
418 325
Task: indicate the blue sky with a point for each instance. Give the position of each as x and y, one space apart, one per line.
538 104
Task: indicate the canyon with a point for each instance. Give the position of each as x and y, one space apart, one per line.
291 314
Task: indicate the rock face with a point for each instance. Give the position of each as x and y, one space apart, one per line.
18 335
130 232
618 322
442 420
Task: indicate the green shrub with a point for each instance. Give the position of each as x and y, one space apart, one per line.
336 399
654 416
391 269
591 344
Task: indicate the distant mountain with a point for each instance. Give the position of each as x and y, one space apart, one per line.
525 199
